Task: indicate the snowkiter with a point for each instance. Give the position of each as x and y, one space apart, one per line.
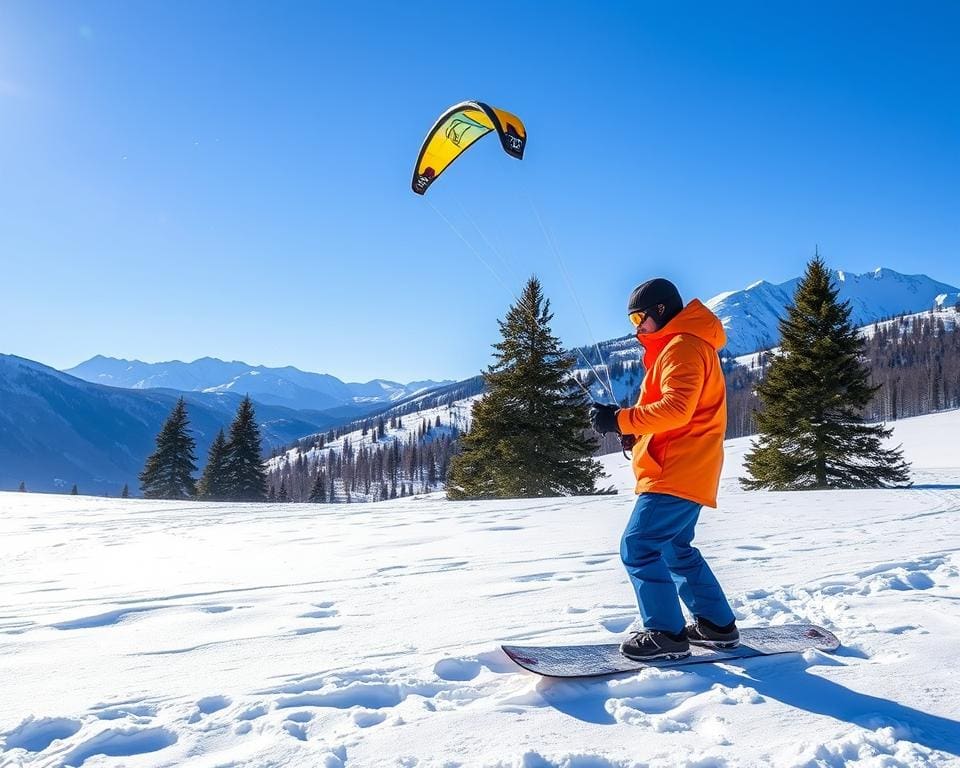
678 423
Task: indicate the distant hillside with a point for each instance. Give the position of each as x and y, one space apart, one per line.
57 430
286 386
751 316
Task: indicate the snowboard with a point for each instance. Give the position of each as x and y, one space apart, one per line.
606 659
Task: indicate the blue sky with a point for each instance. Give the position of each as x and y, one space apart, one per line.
232 178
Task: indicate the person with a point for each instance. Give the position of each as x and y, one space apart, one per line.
678 423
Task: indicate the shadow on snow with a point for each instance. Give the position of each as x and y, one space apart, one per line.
785 680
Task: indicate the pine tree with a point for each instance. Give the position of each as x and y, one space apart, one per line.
125 493
74 491
283 497
529 435
811 429
168 473
215 483
246 475
23 487
318 493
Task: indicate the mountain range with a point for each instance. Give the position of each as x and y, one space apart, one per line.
287 386
57 430
751 319
751 316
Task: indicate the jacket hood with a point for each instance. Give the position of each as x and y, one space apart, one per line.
694 319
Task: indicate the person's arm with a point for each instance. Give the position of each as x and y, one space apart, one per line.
681 382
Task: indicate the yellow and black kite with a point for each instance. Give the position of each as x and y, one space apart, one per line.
458 128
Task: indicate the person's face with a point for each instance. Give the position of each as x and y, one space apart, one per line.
648 325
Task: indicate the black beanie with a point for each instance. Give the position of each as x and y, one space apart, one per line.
647 296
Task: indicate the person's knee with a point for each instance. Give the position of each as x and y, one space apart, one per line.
637 550
683 556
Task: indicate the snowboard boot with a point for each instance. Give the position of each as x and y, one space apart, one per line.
654 644
704 632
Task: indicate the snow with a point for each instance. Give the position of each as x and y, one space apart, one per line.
751 316
949 316
287 386
150 633
454 417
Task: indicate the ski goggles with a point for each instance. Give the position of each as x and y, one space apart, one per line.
637 318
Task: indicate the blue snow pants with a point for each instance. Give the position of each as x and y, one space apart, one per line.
661 563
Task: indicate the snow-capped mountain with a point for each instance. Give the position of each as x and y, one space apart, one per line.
750 316
56 429
286 386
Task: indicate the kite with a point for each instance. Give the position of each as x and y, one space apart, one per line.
456 131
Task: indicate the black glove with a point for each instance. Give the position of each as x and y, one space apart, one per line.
627 442
604 418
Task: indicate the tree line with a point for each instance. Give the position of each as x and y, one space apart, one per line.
913 361
415 404
381 468
916 363
234 470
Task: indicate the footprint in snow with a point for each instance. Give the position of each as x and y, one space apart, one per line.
103 619
253 712
324 610
545 576
365 718
207 706
36 734
120 742
296 730
323 613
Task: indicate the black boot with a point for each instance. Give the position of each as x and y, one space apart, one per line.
653 644
704 632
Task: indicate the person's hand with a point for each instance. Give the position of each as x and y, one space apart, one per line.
604 418
627 442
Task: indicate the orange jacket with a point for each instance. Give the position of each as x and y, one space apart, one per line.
681 416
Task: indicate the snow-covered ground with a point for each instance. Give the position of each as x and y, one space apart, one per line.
145 633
